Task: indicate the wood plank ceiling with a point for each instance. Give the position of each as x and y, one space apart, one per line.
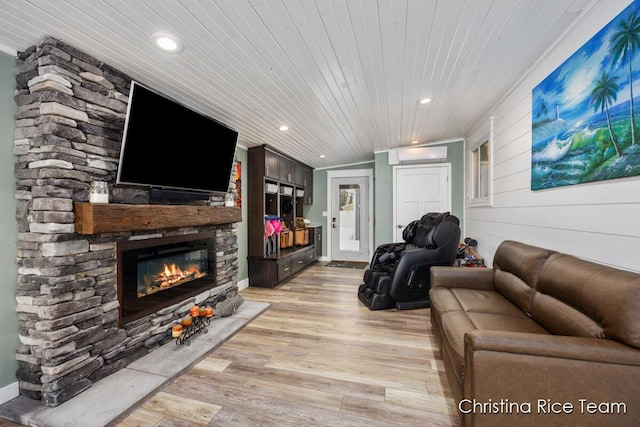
344 75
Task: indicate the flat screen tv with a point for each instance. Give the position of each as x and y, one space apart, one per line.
167 146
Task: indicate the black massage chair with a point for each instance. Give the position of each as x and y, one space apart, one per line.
398 275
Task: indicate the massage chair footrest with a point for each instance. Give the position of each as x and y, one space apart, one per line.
374 300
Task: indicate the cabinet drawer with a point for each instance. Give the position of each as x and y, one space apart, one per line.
310 256
284 269
298 261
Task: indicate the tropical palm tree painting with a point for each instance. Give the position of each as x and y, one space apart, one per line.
584 114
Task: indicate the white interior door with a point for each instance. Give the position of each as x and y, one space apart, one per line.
349 218
419 189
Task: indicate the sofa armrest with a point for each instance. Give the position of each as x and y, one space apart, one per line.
461 277
534 379
565 347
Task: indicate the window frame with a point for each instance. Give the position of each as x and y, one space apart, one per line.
475 162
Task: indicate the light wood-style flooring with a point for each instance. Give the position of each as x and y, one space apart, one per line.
317 357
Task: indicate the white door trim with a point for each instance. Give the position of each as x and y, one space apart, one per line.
350 173
395 192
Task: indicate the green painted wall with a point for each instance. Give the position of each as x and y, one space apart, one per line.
243 247
8 230
383 200
455 156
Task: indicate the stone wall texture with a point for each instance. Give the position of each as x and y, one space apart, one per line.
69 126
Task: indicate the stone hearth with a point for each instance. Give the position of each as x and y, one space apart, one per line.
69 124
105 403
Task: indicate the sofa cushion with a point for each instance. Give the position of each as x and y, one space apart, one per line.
504 323
521 259
480 301
514 289
482 310
445 300
610 297
454 325
561 319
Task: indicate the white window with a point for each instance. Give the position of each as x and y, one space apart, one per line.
480 157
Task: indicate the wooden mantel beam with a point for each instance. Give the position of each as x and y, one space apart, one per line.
94 218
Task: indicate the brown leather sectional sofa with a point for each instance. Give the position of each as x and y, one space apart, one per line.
543 338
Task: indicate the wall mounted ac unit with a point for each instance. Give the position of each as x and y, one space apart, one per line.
418 155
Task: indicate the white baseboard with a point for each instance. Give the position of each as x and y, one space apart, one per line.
324 258
243 284
9 392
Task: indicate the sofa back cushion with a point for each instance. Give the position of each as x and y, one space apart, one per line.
517 267
582 298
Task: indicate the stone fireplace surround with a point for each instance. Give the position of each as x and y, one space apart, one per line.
69 124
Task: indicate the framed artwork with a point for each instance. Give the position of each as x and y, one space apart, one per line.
585 114
238 180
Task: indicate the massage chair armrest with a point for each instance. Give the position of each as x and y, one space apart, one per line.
529 379
413 261
462 277
384 249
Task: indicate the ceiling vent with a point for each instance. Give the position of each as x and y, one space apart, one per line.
418 155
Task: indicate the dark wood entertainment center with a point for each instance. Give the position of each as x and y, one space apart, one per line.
278 186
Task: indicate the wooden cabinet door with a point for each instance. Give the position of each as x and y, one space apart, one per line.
307 182
285 169
317 242
271 164
298 174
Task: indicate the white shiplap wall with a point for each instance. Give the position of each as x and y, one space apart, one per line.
596 221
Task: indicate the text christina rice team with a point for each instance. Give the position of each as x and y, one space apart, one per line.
541 406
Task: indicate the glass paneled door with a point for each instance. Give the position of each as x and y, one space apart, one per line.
349 219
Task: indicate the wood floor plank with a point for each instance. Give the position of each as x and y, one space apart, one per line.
213 364
311 381
394 413
142 418
316 357
412 399
362 374
283 413
289 392
184 408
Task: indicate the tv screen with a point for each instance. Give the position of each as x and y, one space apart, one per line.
169 146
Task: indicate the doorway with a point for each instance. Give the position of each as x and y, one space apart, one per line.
419 189
349 215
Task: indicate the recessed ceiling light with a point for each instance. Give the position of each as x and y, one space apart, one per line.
415 142
425 100
322 156
284 128
167 43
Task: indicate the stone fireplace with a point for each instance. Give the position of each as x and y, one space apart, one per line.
76 325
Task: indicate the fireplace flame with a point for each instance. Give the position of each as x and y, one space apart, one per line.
172 275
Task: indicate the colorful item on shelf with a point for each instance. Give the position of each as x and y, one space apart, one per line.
277 225
268 229
272 228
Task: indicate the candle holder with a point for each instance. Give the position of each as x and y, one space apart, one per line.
198 324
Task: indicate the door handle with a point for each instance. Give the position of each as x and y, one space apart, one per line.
333 222
400 226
